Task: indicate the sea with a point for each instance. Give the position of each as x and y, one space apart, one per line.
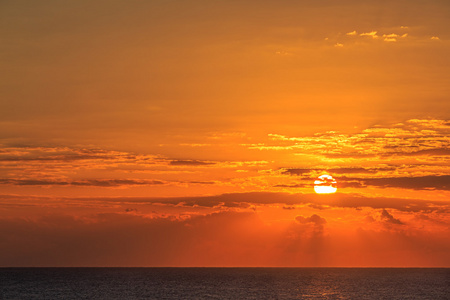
224 283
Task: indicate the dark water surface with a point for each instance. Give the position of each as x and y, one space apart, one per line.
224 283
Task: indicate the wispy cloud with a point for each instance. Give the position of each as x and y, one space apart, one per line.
413 137
372 34
89 182
414 149
410 155
402 33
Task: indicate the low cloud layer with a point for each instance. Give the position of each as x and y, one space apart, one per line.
339 200
217 239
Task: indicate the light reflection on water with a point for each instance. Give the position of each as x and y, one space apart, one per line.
224 283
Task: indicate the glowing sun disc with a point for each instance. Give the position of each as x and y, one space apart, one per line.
325 184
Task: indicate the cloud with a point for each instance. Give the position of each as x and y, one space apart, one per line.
62 154
128 239
296 171
413 148
353 170
434 182
90 182
392 37
318 224
220 230
65 166
189 163
381 35
431 152
87 157
294 185
217 239
387 217
246 200
350 184
288 207
315 219
358 170
415 137
372 34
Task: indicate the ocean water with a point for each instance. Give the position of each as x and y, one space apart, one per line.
224 283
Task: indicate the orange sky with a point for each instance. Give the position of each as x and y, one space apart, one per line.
189 133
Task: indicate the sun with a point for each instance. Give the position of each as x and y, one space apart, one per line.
325 184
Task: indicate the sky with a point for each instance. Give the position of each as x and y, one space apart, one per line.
190 133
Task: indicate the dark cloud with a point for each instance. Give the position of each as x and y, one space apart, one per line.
296 171
351 170
297 185
189 163
32 182
202 182
433 182
318 224
431 152
55 158
359 170
438 182
129 239
246 200
288 207
315 219
348 155
317 206
90 182
356 170
349 184
57 154
267 198
387 217
228 238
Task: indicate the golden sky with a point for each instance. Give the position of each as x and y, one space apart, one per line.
190 133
